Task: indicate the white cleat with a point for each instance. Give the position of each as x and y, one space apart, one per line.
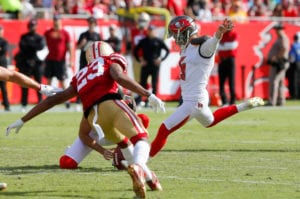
255 102
154 183
138 181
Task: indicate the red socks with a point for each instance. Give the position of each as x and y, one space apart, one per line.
223 113
162 135
160 140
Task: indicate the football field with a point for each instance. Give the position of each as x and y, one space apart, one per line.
252 155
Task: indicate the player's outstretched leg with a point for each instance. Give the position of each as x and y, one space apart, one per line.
225 112
250 104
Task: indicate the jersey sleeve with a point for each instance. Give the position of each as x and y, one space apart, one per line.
119 59
209 47
73 82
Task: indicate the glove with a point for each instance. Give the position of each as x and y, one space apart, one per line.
16 125
49 90
156 103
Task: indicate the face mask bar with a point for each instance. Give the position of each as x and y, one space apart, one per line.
181 38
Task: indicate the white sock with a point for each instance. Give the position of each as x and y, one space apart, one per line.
242 106
128 153
141 156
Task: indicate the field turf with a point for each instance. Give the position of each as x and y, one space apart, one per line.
252 155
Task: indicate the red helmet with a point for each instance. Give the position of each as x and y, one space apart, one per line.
182 28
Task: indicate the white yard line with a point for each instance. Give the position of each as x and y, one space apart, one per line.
234 181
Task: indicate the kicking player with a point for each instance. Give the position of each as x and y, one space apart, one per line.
196 63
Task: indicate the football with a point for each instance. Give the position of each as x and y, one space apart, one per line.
3 186
117 158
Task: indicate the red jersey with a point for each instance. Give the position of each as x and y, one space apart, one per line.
57 41
94 81
228 45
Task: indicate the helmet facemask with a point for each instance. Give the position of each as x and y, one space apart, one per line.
181 38
181 29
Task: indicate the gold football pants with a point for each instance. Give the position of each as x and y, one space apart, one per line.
116 119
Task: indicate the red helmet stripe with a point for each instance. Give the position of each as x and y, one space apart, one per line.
99 53
94 53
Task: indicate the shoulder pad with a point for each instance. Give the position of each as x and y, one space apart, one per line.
119 59
199 40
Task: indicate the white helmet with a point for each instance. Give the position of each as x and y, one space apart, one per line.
97 49
143 20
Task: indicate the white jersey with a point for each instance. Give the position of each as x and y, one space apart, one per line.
196 64
196 69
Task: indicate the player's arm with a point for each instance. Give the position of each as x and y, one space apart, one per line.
49 103
42 107
224 27
25 81
125 81
210 46
84 136
19 78
117 73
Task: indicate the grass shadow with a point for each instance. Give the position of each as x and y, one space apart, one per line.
31 169
44 194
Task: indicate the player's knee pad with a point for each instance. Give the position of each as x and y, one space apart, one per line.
145 120
67 162
138 137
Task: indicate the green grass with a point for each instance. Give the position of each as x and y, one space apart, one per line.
253 155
